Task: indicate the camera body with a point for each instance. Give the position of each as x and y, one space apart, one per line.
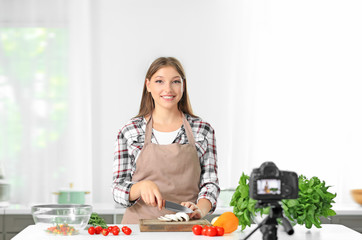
268 183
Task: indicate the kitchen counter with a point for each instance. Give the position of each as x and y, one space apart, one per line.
340 209
100 208
327 232
109 208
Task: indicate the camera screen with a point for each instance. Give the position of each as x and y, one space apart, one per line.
268 186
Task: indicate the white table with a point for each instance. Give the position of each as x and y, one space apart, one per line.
327 232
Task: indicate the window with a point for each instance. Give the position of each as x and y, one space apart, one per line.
44 118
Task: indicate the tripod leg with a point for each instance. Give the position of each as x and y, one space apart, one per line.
269 232
254 230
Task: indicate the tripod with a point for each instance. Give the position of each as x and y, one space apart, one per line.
268 226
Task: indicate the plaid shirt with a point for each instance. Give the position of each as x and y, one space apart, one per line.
129 144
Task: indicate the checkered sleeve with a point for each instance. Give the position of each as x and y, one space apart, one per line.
122 168
206 146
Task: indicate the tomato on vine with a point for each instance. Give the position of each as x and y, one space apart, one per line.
91 230
196 229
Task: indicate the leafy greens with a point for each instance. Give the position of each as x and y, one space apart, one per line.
96 220
313 202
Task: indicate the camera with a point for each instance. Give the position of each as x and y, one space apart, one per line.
268 183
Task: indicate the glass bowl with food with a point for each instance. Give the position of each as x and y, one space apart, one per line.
61 219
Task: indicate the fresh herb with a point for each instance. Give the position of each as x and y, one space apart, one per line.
244 206
313 202
96 220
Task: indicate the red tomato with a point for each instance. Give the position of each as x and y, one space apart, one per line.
98 230
91 230
196 229
115 231
105 232
110 228
126 230
204 230
211 231
220 231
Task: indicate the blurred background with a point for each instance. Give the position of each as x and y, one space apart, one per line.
278 80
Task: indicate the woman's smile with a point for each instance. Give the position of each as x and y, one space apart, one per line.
168 97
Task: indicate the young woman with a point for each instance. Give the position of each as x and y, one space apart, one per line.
165 152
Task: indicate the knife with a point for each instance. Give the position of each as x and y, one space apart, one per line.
176 207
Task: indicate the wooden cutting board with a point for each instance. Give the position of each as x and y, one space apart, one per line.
155 225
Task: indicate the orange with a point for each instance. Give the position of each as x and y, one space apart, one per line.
228 221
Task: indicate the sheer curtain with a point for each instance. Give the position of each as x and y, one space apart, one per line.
45 124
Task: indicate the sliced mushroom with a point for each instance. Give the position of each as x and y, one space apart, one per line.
180 216
172 217
183 216
164 219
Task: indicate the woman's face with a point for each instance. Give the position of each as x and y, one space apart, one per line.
166 87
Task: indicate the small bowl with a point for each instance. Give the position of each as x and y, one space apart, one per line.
357 195
61 219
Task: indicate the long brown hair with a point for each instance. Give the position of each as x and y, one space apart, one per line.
147 103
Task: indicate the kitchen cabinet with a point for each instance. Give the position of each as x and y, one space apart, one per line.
13 224
1 226
353 222
109 218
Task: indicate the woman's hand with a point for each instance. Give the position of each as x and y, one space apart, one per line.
198 213
149 193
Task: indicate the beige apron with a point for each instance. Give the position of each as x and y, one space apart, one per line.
175 168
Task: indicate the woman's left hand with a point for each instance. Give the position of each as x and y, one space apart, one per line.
197 213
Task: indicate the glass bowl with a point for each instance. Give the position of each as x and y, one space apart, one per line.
61 219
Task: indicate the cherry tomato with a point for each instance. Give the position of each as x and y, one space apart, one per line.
115 231
211 231
220 231
105 232
98 230
196 229
204 230
126 230
110 228
91 230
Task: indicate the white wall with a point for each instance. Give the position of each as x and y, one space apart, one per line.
278 81
306 107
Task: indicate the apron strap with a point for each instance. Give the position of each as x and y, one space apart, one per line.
190 136
148 131
188 129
